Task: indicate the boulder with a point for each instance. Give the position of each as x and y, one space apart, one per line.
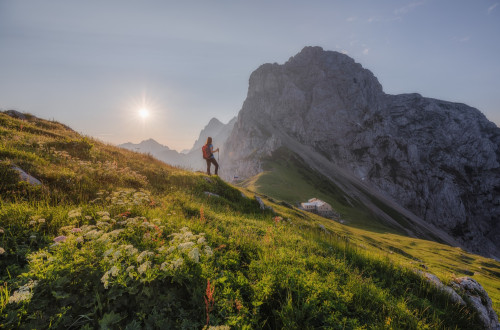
23 176
478 297
473 293
15 114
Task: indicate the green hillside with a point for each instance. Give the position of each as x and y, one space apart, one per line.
286 177
116 239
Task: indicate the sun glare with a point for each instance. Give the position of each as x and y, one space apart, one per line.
143 113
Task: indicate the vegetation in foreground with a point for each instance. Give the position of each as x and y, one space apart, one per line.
116 239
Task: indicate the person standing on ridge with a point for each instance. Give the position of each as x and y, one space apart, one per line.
208 155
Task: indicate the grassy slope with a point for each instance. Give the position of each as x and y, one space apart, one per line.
148 263
287 178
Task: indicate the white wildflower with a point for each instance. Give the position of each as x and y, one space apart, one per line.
2 250
143 255
194 254
65 228
177 263
184 246
93 234
171 249
32 222
164 265
114 271
201 240
102 224
117 255
144 267
187 236
105 280
24 293
88 217
208 251
108 252
131 250
184 229
76 230
41 220
104 238
74 213
1 230
87 228
129 271
79 239
103 213
115 232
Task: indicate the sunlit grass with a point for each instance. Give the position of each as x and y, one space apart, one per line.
138 242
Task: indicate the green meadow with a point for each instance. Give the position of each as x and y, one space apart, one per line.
119 240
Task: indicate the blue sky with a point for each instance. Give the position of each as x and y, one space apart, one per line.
93 64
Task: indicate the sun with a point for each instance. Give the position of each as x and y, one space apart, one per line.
144 113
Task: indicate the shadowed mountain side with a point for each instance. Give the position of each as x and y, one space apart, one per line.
439 160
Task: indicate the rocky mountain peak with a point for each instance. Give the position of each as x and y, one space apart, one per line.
438 159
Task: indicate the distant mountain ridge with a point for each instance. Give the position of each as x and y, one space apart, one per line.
192 158
440 160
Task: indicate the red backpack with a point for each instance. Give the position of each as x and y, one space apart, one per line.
206 152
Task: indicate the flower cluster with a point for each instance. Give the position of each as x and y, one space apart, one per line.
125 197
124 262
36 220
24 293
128 249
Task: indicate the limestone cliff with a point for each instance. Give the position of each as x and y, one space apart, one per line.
438 159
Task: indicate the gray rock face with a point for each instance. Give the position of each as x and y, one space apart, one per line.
479 299
438 159
23 176
473 292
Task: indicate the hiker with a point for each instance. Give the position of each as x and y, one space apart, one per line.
208 155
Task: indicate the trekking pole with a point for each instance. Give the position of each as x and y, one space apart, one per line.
218 153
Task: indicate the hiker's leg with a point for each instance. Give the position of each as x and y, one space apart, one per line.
216 166
208 166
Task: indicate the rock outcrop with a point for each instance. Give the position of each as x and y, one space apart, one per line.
438 159
474 294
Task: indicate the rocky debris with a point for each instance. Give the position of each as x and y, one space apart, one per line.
440 160
23 176
473 293
15 114
286 204
455 297
262 205
323 228
478 297
210 194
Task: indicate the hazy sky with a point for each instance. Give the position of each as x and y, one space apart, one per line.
93 64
